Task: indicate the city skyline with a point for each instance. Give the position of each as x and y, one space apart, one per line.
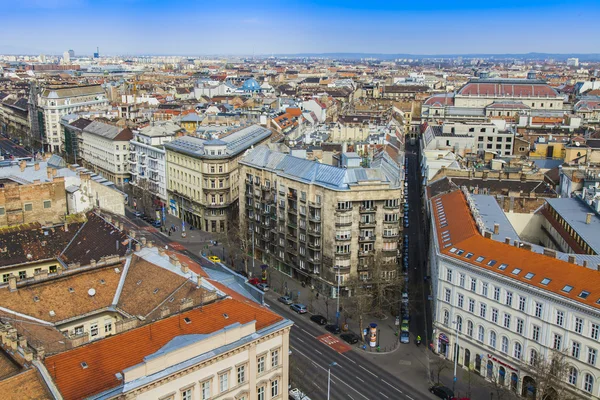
186 28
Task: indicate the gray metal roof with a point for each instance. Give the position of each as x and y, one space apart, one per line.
233 143
384 170
574 212
102 129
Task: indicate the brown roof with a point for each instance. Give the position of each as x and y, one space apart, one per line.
27 385
508 89
108 356
7 365
465 236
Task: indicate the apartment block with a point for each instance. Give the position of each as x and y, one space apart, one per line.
319 223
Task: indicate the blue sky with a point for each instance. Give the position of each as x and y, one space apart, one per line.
198 27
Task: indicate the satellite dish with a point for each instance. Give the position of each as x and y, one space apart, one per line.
92 292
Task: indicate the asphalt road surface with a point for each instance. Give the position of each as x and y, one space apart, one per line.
7 146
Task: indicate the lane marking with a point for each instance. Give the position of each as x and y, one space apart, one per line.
360 379
352 398
384 395
368 371
392 386
318 351
349 359
307 332
410 397
300 340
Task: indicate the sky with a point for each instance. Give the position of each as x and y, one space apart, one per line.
265 27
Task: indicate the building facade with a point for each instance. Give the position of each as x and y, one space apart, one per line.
202 177
509 313
320 223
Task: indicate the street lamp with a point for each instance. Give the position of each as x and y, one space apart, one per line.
333 364
455 353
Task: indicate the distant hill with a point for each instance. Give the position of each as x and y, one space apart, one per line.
383 56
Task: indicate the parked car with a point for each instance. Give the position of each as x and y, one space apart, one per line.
404 337
263 286
156 224
138 214
214 259
406 223
299 308
333 328
350 337
319 319
404 326
287 300
442 392
253 281
404 296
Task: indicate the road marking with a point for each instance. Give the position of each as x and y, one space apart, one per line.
384 395
318 352
405 362
308 333
410 397
369 371
351 397
325 369
392 386
349 359
334 343
300 340
360 379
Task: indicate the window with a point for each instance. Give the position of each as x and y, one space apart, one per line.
522 301
260 365
594 331
579 325
47 203
460 301
470 328
205 390
224 382
482 310
535 333
22 274
497 294
592 353
447 295
507 320
78 330
275 388
495 315
462 280
2 211
538 310
520 323
484 289
575 350
533 357
588 384
517 350
572 376
459 323
28 206
241 374
560 318
449 275
556 345
504 347
446 317
186 394
473 284
274 358
493 339
94 329
481 333
260 393
509 297
471 305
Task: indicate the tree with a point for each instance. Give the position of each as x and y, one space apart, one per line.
360 303
550 376
468 378
439 366
386 285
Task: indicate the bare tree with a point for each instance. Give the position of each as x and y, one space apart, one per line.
439 366
468 378
386 285
359 304
550 376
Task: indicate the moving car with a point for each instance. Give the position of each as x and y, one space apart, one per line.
263 286
404 337
319 319
333 328
442 392
214 259
299 308
287 300
350 337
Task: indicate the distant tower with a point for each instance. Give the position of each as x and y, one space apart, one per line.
72 53
531 75
97 53
66 58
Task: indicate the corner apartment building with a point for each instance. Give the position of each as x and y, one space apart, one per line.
503 309
54 102
106 151
147 161
319 223
202 177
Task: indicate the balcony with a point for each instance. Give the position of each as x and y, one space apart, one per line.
367 224
343 210
292 210
314 205
281 205
364 209
292 224
314 245
390 252
366 253
347 223
314 218
367 238
314 232
292 250
343 239
391 207
390 235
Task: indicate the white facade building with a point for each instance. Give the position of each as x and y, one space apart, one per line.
513 309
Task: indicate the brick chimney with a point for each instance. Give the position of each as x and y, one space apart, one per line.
12 283
572 259
184 268
92 263
143 241
588 218
161 251
487 234
138 246
507 240
37 166
54 171
199 280
496 229
49 172
149 244
23 165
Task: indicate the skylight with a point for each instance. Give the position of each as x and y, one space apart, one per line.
516 271
453 250
480 259
187 320
584 294
567 288
503 266
84 365
546 281
529 275
460 252
469 255
491 263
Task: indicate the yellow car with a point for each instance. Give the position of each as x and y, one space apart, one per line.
214 259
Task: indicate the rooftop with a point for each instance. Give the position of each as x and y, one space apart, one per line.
110 132
574 212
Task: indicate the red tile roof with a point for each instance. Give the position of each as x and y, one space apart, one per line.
464 235
111 355
507 89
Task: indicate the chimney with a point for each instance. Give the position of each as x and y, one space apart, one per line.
496 229
23 165
132 234
487 234
138 247
40 352
92 263
516 243
22 341
149 244
572 259
37 166
12 283
143 240
161 251
199 280
585 263
165 312
173 260
598 267
550 253
54 171
184 268
588 218
49 172
507 240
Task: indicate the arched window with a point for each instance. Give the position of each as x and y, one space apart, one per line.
504 348
533 357
446 317
493 339
470 328
588 384
573 376
481 335
517 350
459 323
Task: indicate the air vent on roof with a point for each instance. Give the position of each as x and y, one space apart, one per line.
491 263
102 281
187 320
92 292
52 313
529 275
503 266
155 291
225 316
546 281
584 294
36 299
516 271
567 288
84 365
138 282
71 290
